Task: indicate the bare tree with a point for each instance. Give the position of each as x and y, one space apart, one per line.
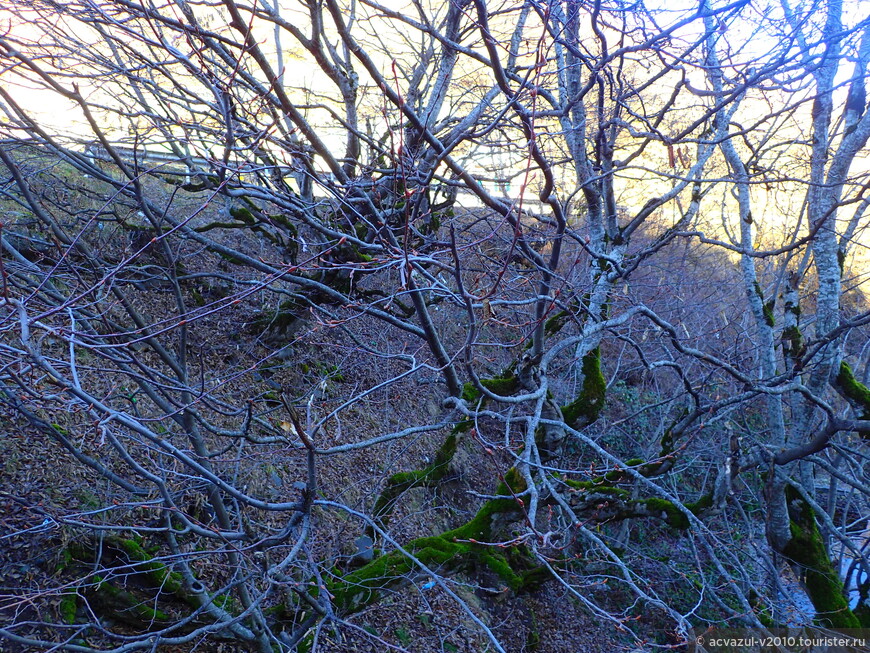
263 259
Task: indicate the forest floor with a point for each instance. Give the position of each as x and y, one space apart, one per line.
312 361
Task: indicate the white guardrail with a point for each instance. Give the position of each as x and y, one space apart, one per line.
190 165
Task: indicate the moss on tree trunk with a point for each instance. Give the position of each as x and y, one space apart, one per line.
855 392
588 405
823 584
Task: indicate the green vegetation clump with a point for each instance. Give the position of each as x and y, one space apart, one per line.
68 607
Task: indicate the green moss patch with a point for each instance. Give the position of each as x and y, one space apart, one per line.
855 392
624 507
668 510
68 607
598 486
768 313
793 342
554 324
158 573
153 576
125 606
500 385
589 404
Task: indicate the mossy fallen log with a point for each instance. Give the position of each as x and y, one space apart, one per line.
463 547
124 606
133 558
609 502
159 575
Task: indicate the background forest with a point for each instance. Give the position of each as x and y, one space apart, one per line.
347 325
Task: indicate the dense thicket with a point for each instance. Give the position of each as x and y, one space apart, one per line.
320 317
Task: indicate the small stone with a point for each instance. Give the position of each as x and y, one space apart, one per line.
432 408
365 550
